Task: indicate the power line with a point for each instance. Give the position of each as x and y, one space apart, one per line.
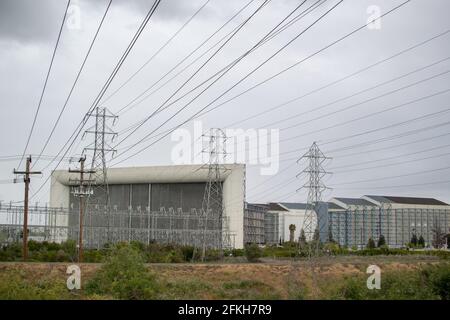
393 147
411 132
392 177
133 102
302 61
73 85
395 107
130 104
157 52
80 126
397 136
194 74
390 158
342 79
245 77
406 185
45 86
395 163
371 131
359 103
377 112
106 85
360 92
266 39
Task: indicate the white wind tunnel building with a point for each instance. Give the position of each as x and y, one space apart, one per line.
155 203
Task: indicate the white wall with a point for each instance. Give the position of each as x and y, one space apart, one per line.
286 218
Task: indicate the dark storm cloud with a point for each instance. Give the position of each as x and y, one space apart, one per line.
30 21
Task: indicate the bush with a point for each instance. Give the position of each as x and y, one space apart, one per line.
332 248
124 276
14 286
396 285
381 241
370 244
253 252
237 252
438 278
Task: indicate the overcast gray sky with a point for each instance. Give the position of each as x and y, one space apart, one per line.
28 32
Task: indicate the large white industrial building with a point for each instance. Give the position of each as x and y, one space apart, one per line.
158 203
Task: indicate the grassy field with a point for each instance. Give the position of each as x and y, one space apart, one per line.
340 277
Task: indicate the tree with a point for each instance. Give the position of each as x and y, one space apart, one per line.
439 237
302 238
381 241
414 240
253 252
421 242
370 244
316 237
330 236
291 232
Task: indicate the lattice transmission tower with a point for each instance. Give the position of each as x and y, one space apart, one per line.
315 186
99 199
212 204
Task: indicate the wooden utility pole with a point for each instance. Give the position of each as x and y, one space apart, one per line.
26 179
81 193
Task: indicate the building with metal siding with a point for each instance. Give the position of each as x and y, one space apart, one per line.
271 228
353 222
161 203
254 223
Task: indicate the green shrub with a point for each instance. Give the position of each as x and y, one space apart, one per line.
395 285
238 252
370 244
14 286
253 252
70 249
438 278
124 276
93 256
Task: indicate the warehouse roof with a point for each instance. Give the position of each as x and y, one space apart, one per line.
276 207
286 206
258 205
355 201
408 200
293 206
332 206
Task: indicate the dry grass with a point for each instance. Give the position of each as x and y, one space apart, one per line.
269 280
